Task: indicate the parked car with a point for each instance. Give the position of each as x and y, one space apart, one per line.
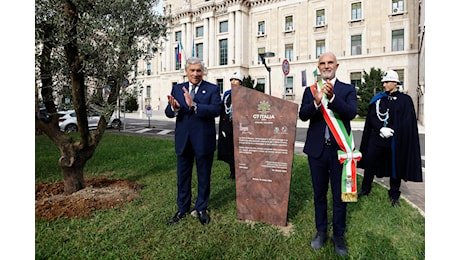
44 115
68 120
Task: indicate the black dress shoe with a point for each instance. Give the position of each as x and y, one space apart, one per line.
395 202
204 217
318 240
339 245
177 217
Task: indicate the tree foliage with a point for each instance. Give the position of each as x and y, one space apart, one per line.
366 90
131 102
248 82
79 45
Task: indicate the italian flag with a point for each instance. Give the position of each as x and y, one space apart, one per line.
179 52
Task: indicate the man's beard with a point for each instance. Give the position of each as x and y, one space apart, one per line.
330 75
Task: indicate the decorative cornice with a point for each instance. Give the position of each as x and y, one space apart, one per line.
255 3
214 7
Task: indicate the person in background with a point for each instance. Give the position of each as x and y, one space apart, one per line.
195 105
321 148
225 141
390 145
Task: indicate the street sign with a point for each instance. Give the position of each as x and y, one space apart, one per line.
286 67
149 111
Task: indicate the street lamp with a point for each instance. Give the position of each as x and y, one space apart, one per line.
262 56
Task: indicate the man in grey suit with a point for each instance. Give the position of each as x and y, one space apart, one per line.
195 104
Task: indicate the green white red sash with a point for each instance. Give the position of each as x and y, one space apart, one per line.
348 155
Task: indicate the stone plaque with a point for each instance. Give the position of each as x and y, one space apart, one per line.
264 130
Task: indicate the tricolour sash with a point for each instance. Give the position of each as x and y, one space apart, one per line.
348 155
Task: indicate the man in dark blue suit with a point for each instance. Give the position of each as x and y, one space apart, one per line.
195 104
321 148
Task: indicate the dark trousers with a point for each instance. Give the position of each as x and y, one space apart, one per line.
232 169
325 168
184 179
395 184
379 159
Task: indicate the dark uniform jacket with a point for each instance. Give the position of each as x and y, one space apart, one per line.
405 160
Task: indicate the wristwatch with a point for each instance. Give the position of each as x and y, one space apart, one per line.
193 107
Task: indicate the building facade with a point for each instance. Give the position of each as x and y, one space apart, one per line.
229 35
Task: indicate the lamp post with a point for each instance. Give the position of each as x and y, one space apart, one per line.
262 56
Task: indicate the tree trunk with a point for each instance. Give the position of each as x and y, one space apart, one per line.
73 179
73 160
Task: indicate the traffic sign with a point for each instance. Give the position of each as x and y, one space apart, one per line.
286 67
149 111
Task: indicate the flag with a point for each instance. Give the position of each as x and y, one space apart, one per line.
193 48
179 52
304 78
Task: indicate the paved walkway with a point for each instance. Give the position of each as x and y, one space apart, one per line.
412 192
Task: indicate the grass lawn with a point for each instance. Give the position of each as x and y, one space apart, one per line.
138 230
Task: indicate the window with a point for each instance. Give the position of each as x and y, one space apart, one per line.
401 78
260 85
223 52
355 78
320 17
220 84
178 36
289 86
199 31
259 51
223 27
149 91
320 47
356 11
289 51
397 6
199 50
149 68
397 40
356 44
261 28
288 23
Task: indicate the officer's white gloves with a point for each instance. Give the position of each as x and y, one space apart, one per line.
386 132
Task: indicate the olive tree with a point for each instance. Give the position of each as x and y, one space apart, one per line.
83 46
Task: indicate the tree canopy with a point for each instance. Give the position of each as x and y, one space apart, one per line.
80 48
366 90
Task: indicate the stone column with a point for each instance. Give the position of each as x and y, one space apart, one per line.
188 42
212 41
183 40
231 38
206 41
238 40
166 57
